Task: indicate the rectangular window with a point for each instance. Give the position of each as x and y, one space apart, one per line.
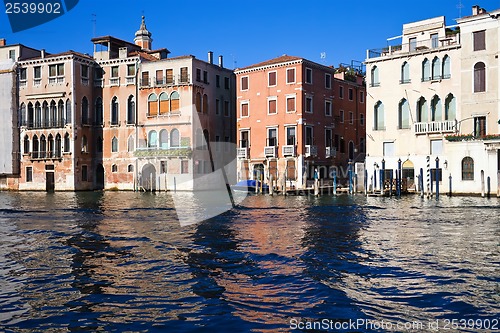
361 119
205 77
184 75
217 81
328 108
328 137
169 76
56 70
350 92
184 166
226 108
328 81
37 72
198 74
22 74
226 83
84 173
217 107
341 92
29 174
290 75
341 116
290 136
413 44
159 77
145 79
114 71
12 55
434 41
351 117
309 76
479 40
272 137
388 149
309 104
361 96
85 71
98 73
244 109
479 126
272 106
244 143
271 82
436 173
244 83
131 70
309 135
290 104
163 167
436 147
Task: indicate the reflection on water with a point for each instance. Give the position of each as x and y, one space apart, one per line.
123 262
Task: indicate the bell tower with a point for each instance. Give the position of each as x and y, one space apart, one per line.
143 37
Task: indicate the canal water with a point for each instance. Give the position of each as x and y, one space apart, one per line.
121 262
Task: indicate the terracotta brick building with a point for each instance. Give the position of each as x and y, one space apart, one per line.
295 115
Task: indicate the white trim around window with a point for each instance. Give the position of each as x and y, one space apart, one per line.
247 103
269 100
241 83
294 97
294 75
328 107
269 78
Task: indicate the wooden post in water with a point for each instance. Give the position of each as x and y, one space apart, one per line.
450 178
482 183
498 184
271 186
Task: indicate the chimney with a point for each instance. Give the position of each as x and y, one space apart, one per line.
3 42
42 53
210 57
220 62
475 10
482 11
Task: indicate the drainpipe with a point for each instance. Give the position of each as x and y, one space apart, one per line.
136 171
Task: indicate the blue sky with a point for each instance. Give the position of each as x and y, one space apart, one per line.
244 32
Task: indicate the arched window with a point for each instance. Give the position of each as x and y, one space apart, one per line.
450 108
205 103
22 115
38 115
164 103
60 112
467 168
84 144
26 146
114 145
422 110
53 115
426 70
152 105
153 139
164 139
85 111
198 102
130 143
58 149
99 145
436 68
405 73
446 67
36 147
31 116
375 77
436 109
351 150
43 146
68 112
50 144
404 114
174 102
46 115
130 168
131 110
66 143
114 111
175 138
114 168
379 121
99 117
479 77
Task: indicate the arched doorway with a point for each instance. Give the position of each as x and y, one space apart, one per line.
408 175
148 177
99 177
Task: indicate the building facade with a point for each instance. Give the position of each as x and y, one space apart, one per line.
420 101
296 116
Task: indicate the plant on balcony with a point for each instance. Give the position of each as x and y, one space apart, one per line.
491 137
172 152
459 137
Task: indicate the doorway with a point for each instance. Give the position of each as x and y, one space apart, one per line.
99 177
49 181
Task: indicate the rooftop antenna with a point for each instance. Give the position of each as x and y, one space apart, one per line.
460 6
94 21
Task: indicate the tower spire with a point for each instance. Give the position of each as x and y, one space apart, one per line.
143 36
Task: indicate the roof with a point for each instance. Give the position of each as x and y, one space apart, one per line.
106 39
283 58
70 52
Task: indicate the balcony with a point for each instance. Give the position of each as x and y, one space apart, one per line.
98 83
418 46
271 151
330 152
85 81
164 152
114 81
447 126
45 155
289 151
56 80
311 150
130 80
242 153
57 123
183 79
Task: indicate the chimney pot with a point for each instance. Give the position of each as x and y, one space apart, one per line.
220 62
210 57
475 10
42 53
3 42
